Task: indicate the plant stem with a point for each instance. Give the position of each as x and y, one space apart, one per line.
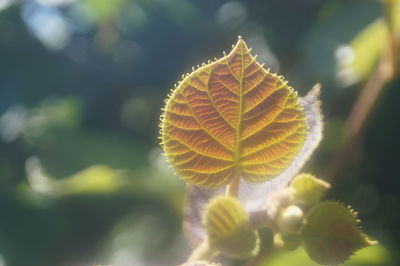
389 13
384 72
232 189
202 252
260 219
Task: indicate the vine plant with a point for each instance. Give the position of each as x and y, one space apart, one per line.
238 135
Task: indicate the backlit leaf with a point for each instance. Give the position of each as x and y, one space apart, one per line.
232 118
226 223
331 233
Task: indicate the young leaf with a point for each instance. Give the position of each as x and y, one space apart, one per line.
233 118
331 233
308 189
226 224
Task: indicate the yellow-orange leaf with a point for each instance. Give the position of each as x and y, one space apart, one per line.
232 118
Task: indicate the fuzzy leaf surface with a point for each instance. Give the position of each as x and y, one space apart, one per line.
308 189
232 118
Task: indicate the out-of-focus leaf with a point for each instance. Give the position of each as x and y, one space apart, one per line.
233 118
370 256
102 179
331 233
357 59
105 9
334 26
308 189
226 223
94 179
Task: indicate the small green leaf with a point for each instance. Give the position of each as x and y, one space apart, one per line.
226 223
371 256
331 233
308 189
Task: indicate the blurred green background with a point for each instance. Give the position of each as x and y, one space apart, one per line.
82 83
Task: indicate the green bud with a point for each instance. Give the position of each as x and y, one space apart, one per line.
290 219
226 223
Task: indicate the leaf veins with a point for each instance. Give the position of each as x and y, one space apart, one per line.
232 117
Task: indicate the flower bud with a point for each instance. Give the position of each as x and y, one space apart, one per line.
290 219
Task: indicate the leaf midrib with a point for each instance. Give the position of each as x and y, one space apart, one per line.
239 124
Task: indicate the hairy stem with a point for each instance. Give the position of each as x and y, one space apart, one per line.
260 219
232 189
202 252
389 10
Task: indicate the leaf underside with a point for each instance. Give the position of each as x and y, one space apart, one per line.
231 118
